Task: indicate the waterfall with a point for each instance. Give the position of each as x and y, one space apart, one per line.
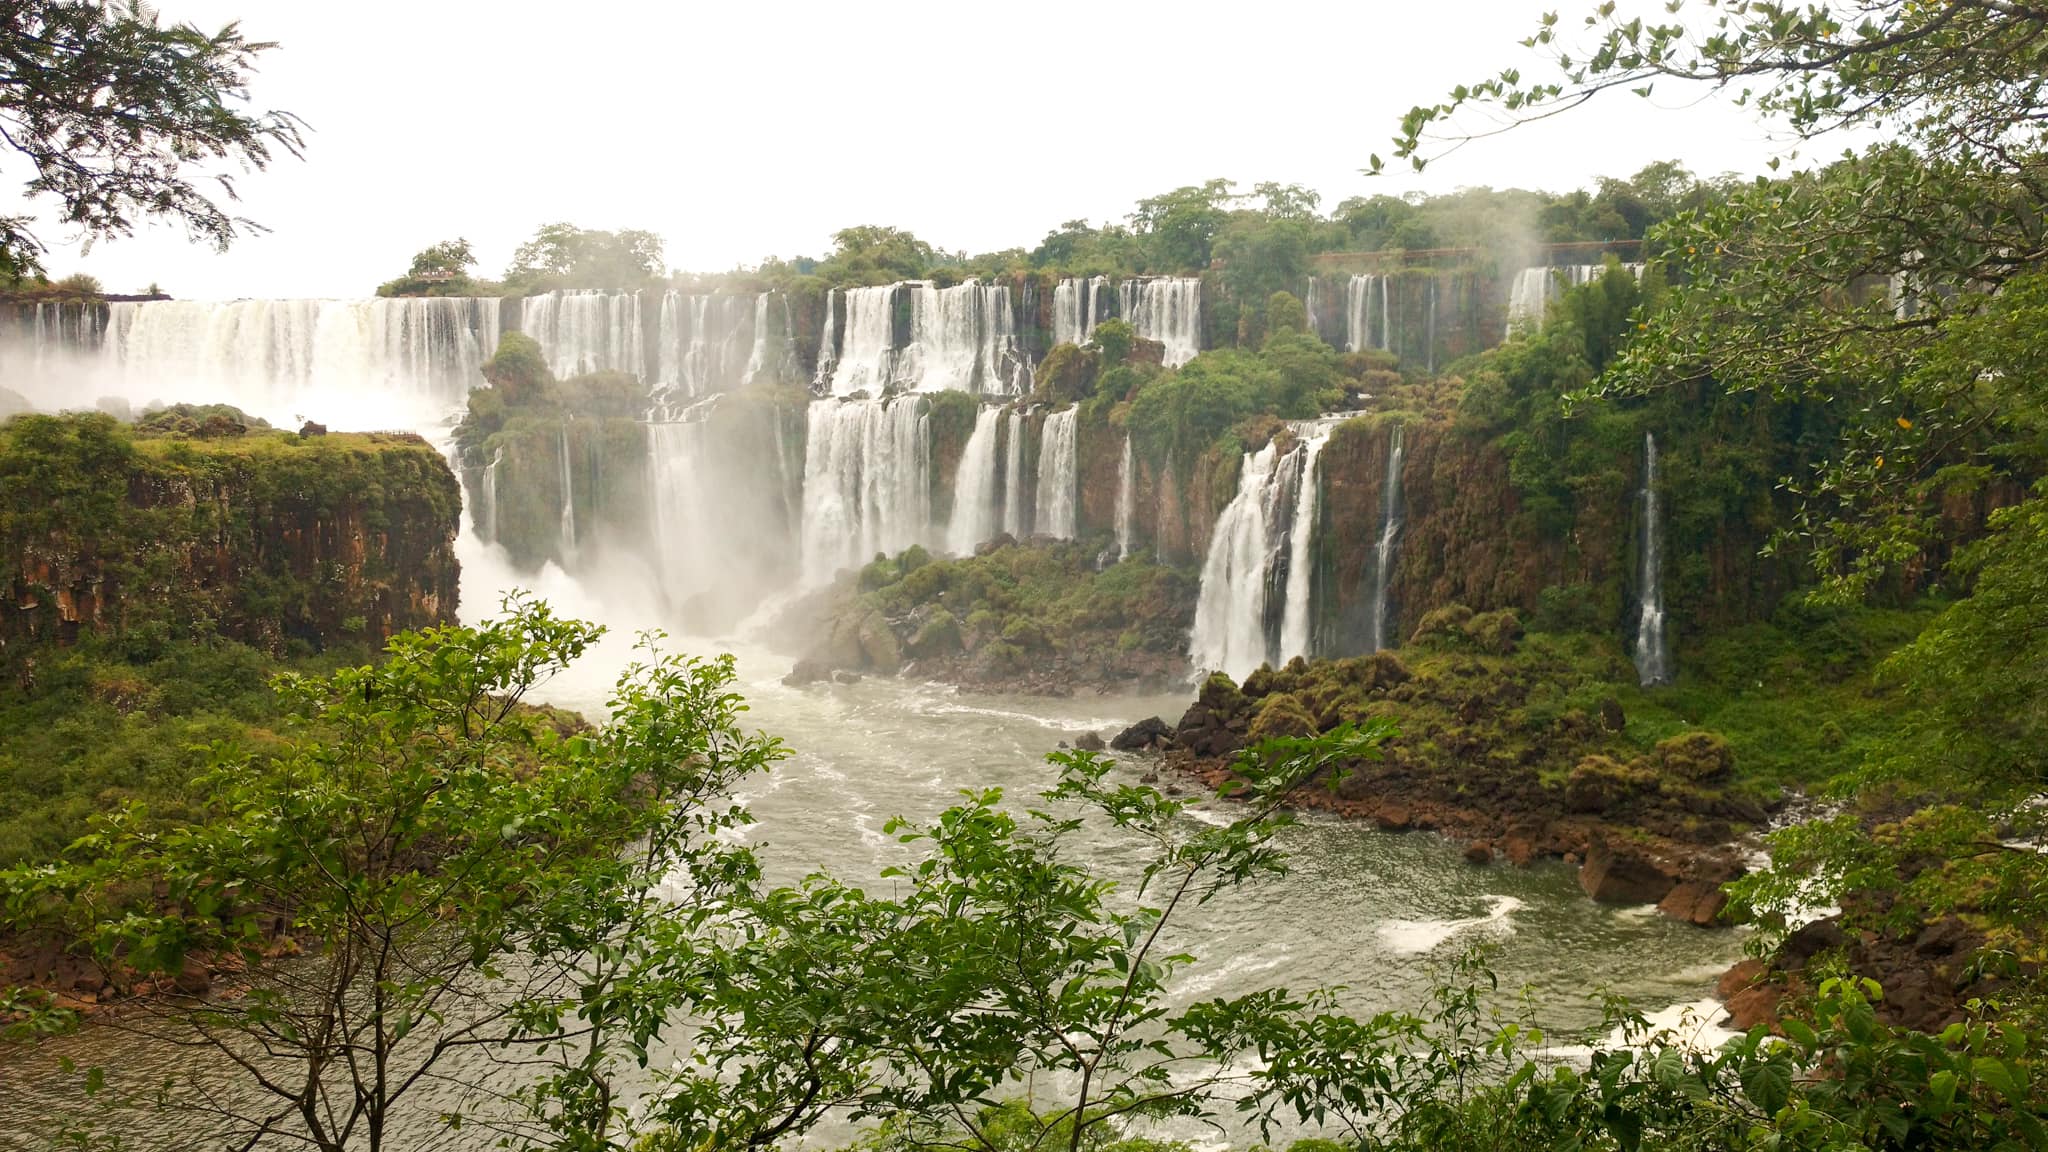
1230 612
1124 481
583 330
962 338
487 523
715 343
1360 329
1057 450
1167 309
1429 331
343 362
976 485
568 532
1386 550
1533 289
773 356
1653 654
1296 616
866 360
1013 477
1076 307
867 482
1311 300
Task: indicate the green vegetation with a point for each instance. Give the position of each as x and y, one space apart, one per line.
440 270
115 112
1017 613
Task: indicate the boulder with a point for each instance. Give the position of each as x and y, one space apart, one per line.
878 645
1808 941
807 671
1624 873
1479 852
193 979
1089 742
1696 756
1599 784
844 677
1697 902
1147 735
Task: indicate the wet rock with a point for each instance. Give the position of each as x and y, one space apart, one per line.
1696 902
1089 742
1146 735
806 672
1808 941
193 979
844 677
1624 873
1394 817
1519 850
1479 852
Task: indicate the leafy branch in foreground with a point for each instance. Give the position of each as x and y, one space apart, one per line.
111 106
429 868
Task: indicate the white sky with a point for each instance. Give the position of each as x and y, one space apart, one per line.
742 130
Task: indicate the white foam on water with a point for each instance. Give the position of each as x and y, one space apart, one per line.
1414 937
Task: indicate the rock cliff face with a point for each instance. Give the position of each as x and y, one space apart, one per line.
266 537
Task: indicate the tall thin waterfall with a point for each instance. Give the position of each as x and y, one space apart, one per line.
1296 616
687 551
976 486
1257 594
1077 307
1653 653
1311 303
1533 289
866 358
582 330
344 362
568 493
486 518
1230 613
1013 478
715 343
867 482
1057 452
1368 317
1124 501
1385 552
1167 309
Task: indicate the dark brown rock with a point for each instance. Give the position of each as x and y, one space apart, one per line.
1479 852
1624 873
1697 902
1146 735
194 979
1089 742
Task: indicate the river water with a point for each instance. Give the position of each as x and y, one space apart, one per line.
1375 912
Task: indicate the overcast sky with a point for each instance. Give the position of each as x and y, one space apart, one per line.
743 130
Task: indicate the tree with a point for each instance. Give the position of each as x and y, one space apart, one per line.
462 872
1835 282
116 112
998 969
871 254
447 260
566 256
1177 228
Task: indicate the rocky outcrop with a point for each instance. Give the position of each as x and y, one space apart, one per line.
265 537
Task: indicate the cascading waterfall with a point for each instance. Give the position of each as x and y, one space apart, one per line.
962 338
1368 317
715 343
568 495
1295 617
1124 502
1057 457
1311 302
1533 289
1077 307
1653 654
1167 309
976 486
1230 612
1013 477
329 360
1385 551
867 482
583 330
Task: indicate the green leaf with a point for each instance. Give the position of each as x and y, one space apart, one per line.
1768 1085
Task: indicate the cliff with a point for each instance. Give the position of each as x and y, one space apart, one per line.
271 538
